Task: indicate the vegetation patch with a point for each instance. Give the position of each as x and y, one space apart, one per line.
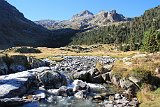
27 50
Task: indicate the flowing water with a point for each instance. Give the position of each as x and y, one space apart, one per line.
63 102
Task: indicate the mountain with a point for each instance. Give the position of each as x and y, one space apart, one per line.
85 19
16 30
129 35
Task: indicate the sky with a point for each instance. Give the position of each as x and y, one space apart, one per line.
65 9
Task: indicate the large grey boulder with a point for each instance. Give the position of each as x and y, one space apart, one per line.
18 63
115 79
35 63
82 75
80 85
3 67
95 76
128 85
52 79
16 84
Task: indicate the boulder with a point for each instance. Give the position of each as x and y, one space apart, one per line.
137 81
52 79
96 87
18 63
80 85
3 67
107 68
64 91
16 84
80 95
115 79
82 75
35 63
128 85
95 76
106 77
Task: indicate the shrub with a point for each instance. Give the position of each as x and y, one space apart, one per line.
27 50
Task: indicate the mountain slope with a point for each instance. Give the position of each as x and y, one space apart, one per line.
16 30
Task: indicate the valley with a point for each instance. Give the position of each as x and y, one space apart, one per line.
90 60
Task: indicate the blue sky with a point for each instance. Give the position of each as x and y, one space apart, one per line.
64 9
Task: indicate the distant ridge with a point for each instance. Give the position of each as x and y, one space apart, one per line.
85 19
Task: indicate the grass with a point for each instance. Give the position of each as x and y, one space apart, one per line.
142 68
104 50
149 98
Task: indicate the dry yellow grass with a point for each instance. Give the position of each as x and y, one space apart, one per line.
104 50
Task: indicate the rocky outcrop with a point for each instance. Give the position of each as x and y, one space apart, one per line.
18 63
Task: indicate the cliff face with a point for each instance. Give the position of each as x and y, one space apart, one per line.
16 30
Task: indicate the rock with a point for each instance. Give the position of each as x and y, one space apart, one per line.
109 105
17 68
115 79
54 92
40 94
95 76
117 96
157 71
111 98
82 75
80 94
107 68
64 91
3 67
52 79
35 63
128 85
98 97
137 81
16 84
134 102
96 87
18 63
106 77
80 85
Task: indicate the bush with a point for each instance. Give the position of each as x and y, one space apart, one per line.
27 50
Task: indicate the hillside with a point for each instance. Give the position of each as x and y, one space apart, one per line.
130 33
16 30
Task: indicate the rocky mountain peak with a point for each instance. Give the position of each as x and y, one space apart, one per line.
84 14
87 19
